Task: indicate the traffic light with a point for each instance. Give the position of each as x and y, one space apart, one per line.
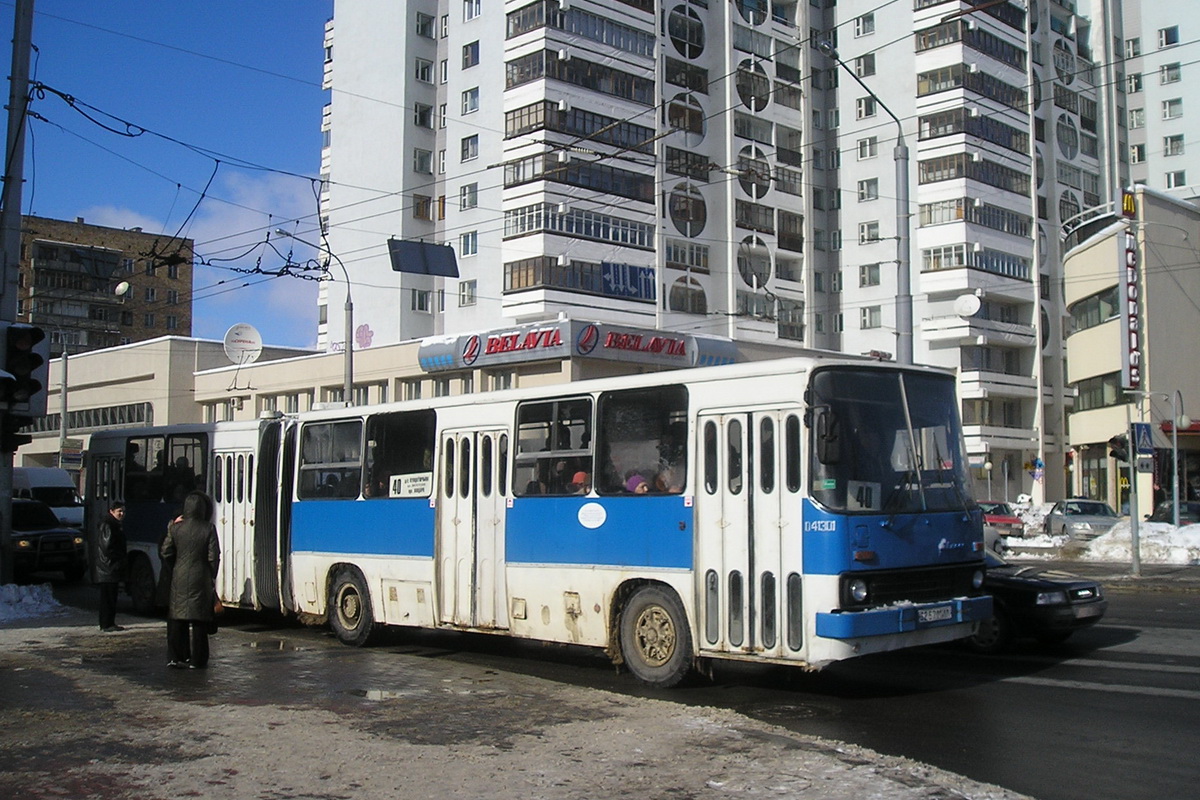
10 437
26 370
1119 448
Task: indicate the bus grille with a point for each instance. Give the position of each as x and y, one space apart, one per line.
918 585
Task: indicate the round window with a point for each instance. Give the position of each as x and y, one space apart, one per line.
686 31
689 212
753 11
754 172
754 262
1068 137
685 115
753 85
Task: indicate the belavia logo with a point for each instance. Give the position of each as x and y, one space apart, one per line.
587 340
514 342
471 350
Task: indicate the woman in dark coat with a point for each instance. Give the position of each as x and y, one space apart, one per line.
193 553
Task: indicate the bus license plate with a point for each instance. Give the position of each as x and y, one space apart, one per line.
937 614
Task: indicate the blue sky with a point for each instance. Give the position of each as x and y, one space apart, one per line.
239 80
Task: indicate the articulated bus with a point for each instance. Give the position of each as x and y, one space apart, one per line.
798 511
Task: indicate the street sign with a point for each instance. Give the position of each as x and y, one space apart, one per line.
1143 445
1145 464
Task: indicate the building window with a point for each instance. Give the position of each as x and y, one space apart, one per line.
1172 109
868 190
839 323
868 148
869 317
411 389
424 70
422 300
868 232
1137 153
471 9
1177 179
442 162
172 322
468 196
1133 48
864 25
172 297
466 292
1137 118
173 271
424 25
423 161
868 275
1170 73
1173 145
864 65
470 101
470 147
148 321
468 243
422 115
470 54
865 107
422 207
443 70
442 115
445 26
1168 37
151 294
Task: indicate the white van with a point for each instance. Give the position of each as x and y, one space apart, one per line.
54 487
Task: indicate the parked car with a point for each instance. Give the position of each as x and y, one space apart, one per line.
992 540
1081 518
1002 517
42 544
1189 513
1029 601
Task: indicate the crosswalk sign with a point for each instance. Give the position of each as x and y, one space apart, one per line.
1142 443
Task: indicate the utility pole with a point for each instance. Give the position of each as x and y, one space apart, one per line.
10 234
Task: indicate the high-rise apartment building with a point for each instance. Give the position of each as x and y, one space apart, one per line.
1158 98
731 169
71 272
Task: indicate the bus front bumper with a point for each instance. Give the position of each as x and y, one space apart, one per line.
903 618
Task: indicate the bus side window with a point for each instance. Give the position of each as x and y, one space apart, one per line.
791 453
642 433
710 457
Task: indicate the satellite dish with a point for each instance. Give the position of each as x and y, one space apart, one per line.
967 305
243 343
122 289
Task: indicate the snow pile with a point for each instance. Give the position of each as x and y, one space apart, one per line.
21 602
1158 543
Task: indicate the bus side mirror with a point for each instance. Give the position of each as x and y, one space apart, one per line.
828 436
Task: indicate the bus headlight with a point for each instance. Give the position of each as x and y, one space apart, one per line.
858 590
977 579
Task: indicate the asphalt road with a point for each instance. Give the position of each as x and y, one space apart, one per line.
1109 715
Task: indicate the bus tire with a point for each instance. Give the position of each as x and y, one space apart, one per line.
656 642
140 585
350 614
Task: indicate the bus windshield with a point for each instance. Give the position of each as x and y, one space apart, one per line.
886 442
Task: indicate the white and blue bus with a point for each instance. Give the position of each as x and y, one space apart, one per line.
798 511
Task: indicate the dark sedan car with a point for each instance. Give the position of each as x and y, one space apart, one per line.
43 544
1032 602
1189 513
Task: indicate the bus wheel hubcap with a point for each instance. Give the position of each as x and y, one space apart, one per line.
655 636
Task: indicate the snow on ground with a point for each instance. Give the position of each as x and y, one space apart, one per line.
1159 542
21 602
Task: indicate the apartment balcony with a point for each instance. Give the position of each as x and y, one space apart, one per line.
957 330
967 280
991 438
975 384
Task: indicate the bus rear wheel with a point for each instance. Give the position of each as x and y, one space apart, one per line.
349 613
656 642
140 585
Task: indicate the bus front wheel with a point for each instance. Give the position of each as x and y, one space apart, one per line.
656 642
350 614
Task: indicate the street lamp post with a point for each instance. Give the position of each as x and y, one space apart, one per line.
1177 418
348 349
987 468
904 300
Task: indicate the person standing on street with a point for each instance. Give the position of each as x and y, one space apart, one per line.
108 564
193 553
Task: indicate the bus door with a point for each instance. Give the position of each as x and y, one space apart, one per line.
233 496
748 561
470 546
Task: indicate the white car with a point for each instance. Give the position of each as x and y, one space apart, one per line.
1080 518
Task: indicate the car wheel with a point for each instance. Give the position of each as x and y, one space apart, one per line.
994 635
656 642
349 611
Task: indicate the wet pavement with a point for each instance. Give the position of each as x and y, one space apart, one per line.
286 712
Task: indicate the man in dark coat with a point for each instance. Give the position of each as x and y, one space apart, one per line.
193 553
108 564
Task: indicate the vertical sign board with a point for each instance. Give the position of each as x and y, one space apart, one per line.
1131 322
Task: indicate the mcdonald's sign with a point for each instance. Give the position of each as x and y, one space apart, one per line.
1128 204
